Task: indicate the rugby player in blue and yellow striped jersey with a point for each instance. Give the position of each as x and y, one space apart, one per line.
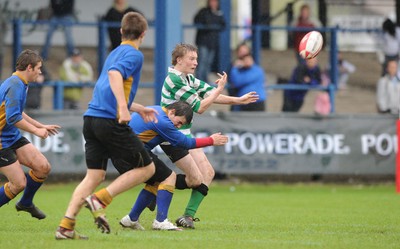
107 134
162 184
16 150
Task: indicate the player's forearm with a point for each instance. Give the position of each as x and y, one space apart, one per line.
135 107
116 84
204 142
207 102
32 121
26 126
227 100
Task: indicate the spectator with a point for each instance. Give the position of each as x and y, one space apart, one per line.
115 14
390 43
207 38
309 74
62 15
246 76
304 20
388 90
75 69
345 68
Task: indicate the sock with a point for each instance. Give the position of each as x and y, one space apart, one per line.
144 198
5 194
196 198
164 197
104 196
181 182
68 223
33 183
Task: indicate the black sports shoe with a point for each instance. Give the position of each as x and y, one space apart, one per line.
186 221
33 210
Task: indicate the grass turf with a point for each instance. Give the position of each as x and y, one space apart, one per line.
232 216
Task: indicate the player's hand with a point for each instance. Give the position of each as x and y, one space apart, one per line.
124 116
149 115
219 139
221 81
52 129
248 98
41 132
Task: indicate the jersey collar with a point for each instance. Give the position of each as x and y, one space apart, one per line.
19 75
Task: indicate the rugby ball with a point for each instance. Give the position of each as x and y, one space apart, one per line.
310 45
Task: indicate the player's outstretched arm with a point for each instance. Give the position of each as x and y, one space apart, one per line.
245 99
221 82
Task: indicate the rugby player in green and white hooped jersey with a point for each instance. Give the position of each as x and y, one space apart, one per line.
180 84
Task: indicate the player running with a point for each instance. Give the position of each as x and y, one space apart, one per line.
16 150
107 134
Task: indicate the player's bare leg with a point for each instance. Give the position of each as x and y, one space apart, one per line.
203 167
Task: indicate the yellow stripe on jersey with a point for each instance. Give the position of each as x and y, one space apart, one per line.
147 136
3 120
127 88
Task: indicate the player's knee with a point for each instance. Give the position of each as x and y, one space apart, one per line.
18 185
151 170
194 181
42 168
210 174
203 189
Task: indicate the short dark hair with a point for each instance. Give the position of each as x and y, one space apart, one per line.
133 24
26 58
182 108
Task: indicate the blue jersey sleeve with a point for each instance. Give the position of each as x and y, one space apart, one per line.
14 98
166 129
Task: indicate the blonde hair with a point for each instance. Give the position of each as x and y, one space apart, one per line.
180 50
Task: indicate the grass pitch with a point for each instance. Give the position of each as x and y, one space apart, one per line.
232 216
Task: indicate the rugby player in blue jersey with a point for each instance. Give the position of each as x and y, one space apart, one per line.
107 133
162 184
16 150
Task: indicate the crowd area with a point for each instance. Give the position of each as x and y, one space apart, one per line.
75 67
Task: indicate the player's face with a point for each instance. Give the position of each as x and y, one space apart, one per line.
35 72
188 63
178 121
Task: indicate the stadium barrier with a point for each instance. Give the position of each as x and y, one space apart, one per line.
260 144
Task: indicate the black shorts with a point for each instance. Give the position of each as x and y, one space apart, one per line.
9 155
174 153
162 170
106 138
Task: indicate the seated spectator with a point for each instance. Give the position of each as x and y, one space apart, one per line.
345 69
75 69
388 90
304 74
246 76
